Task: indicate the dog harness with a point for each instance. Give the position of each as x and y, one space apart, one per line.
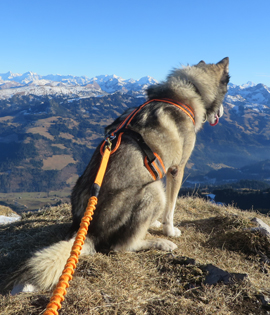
152 160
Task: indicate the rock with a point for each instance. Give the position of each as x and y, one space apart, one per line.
217 275
184 261
214 274
262 227
265 301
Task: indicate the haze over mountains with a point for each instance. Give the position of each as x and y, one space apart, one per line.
50 125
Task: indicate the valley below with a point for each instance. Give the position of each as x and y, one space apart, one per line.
33 201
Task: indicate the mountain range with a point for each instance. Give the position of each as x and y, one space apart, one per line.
50 125
71 86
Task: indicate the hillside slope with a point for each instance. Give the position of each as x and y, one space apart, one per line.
153 282
46 142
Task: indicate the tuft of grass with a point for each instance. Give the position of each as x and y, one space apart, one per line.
6 211
150 282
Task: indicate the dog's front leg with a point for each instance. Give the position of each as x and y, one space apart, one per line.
173 183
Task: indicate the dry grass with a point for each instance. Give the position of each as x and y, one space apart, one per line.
150 282
6 211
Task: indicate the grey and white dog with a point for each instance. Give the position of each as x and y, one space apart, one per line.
130 200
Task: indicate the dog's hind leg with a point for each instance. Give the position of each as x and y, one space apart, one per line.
173 183
147 212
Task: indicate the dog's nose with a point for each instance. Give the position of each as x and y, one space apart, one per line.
220 111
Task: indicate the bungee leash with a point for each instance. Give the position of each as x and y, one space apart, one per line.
60 291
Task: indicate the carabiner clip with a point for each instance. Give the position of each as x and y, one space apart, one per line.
109 143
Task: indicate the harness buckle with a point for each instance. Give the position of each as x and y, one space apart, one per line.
110 137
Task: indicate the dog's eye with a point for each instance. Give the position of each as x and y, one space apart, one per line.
227 79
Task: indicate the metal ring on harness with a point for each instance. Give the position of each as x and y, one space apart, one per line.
116 146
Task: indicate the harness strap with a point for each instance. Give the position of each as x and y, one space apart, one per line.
185 108
156 168
152 160
145 147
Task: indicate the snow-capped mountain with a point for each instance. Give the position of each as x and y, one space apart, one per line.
9 76
113 83
42 88
73 86
250 95
29 77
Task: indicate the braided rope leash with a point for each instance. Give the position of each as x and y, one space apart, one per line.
60 291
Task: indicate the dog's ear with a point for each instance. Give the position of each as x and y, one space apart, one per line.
225 63
201 63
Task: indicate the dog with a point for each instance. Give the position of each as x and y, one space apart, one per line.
131 199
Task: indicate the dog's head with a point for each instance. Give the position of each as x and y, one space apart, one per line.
202 86
213 87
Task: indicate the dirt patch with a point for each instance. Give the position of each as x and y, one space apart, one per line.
41 127
59 145
57 162
66 135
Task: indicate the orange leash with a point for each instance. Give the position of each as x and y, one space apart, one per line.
60 291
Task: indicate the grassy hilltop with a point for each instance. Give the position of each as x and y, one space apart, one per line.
151 282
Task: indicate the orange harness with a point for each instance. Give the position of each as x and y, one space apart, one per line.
152 160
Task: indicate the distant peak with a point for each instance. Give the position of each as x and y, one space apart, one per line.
248 84
9 75
147 80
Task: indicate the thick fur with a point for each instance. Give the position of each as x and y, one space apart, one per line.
130 201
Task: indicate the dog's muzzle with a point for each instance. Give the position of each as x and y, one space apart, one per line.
213 119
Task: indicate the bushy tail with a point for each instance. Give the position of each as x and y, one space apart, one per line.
43 270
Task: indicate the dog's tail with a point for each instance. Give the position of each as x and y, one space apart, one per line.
43 270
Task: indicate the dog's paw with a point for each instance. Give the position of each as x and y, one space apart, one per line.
165 245
171 231
155 224
156 243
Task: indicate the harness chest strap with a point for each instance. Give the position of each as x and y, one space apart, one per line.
152 160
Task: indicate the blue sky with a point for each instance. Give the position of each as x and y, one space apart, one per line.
133 39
